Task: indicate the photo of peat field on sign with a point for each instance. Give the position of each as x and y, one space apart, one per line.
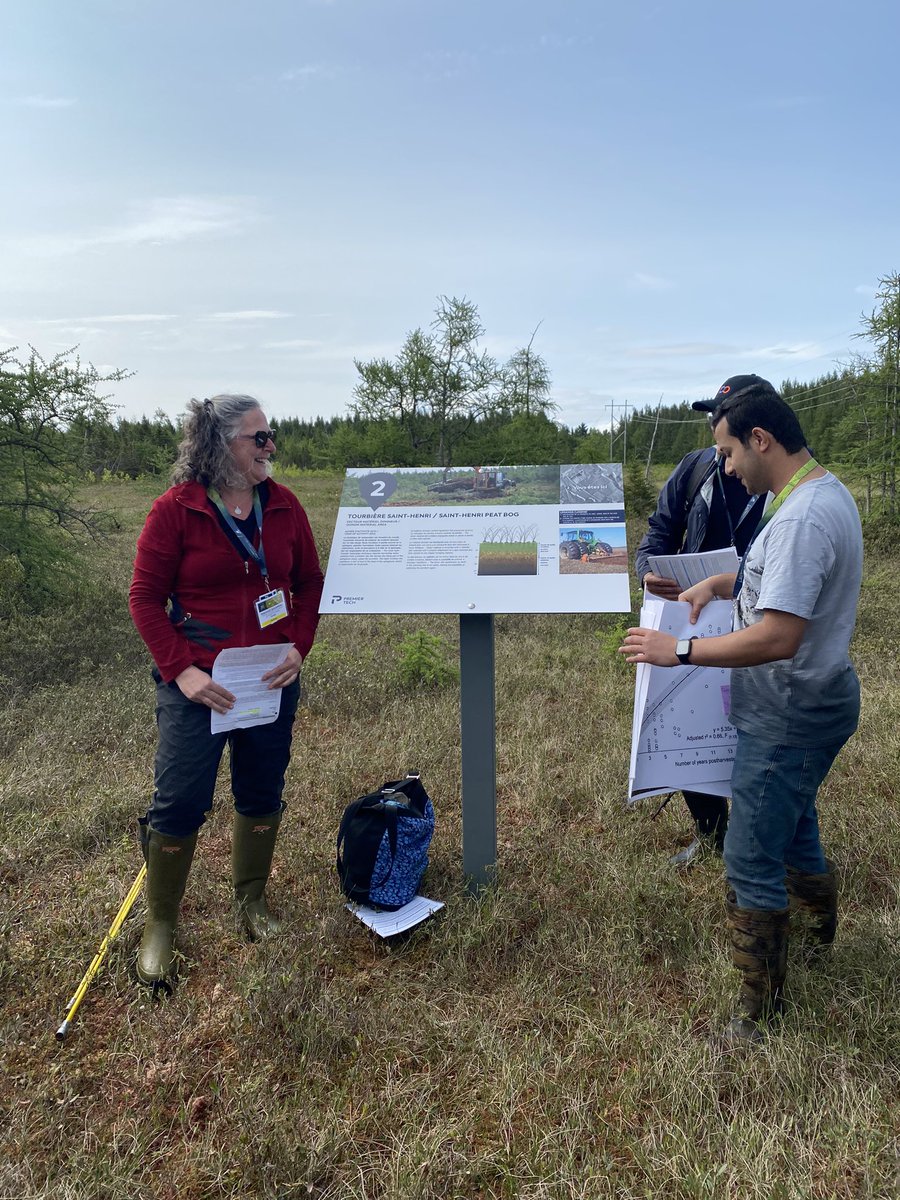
507 558
467 486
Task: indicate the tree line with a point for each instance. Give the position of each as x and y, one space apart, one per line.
442 401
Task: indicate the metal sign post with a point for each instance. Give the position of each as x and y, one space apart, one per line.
479 751
475 541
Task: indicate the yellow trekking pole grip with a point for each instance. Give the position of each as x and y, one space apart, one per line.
118 921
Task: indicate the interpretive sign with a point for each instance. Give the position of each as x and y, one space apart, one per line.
538 539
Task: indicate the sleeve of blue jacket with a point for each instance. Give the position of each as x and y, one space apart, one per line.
668 524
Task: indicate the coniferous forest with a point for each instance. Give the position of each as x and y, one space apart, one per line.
442 401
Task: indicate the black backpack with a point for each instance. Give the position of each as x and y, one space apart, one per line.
382 844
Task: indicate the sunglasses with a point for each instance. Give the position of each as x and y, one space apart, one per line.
261 437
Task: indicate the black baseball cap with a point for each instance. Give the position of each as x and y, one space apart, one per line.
735 385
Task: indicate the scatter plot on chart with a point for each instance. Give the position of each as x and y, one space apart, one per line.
681 736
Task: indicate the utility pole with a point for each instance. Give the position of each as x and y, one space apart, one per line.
612 407
653 438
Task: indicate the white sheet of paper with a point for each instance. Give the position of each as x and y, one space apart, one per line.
688 569
386 924
681 736
240 670
711 787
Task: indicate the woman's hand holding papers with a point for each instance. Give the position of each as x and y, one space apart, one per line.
286 671
200 687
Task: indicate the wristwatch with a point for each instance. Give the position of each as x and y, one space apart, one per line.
683 650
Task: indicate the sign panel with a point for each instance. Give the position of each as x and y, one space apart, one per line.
537 539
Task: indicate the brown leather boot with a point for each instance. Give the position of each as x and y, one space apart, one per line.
815 896
759 951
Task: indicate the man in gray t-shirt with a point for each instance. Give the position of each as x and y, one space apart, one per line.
794 692
807 561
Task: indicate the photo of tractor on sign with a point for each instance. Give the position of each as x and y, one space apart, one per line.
601 550
583 544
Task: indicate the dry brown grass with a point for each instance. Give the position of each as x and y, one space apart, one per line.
544 1041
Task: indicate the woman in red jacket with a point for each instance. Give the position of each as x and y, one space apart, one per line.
222 539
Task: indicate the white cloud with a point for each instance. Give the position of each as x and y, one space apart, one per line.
866 289
802 350
113 319
583 405
45 102
161 221
307 72
294 344
682 350
246 314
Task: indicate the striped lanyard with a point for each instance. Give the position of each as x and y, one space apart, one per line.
258 556
767 516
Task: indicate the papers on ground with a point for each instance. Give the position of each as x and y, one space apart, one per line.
386 924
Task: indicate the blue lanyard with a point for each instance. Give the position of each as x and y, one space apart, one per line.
732 527
767 517
258 556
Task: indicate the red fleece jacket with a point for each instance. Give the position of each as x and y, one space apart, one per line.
183 551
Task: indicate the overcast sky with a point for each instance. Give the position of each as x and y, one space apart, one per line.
247 196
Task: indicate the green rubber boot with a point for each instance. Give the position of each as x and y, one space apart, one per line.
815 896
759 951
252 847
168 865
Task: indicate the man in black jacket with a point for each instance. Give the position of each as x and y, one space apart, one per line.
699 508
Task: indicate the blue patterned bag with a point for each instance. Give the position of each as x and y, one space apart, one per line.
382 844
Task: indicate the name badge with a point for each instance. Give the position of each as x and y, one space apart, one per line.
270 607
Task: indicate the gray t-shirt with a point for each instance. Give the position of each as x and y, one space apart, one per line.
808 561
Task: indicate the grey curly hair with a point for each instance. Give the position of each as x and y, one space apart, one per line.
204 454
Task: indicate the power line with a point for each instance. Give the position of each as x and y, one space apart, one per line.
848 390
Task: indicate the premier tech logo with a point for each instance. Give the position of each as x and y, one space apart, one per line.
351 600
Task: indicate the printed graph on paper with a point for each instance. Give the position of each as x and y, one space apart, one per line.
681 736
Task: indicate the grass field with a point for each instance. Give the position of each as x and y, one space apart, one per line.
545 1041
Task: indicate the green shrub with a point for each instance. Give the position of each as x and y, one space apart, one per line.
611 637
423 661
640 497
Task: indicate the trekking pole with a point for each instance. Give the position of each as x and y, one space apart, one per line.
118 921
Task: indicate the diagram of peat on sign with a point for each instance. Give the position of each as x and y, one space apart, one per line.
518 539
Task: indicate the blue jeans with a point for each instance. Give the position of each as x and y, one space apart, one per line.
774 822
188 757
